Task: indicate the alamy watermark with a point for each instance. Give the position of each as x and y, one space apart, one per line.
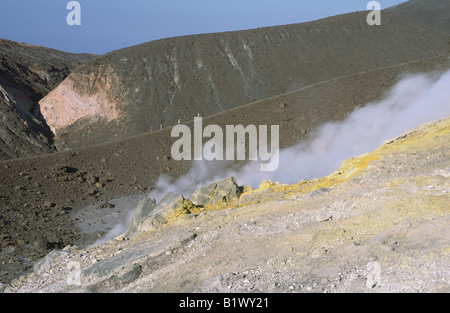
74 16
374 17
214 148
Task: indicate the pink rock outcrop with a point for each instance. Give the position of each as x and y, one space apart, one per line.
81 96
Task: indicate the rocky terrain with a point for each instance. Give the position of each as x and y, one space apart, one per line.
378 224
42 196
27 74
78 157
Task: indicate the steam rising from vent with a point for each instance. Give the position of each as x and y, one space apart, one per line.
415 100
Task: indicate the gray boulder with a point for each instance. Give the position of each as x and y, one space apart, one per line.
143 211
44 266
169 208
224 191
150 216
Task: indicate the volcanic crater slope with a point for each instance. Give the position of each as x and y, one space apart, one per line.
431 13
126 92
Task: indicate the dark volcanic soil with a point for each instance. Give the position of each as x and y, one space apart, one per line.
431 13
176 78
38 194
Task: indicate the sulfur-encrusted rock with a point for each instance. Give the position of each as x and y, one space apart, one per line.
169 208
224 191
150 216
266 184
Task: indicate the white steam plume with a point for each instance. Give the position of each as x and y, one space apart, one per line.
415 100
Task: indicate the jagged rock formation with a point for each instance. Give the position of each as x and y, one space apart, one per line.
218 193
379 224
27 74
142 212
125 92
150 216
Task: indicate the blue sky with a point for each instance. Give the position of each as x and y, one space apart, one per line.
108 25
